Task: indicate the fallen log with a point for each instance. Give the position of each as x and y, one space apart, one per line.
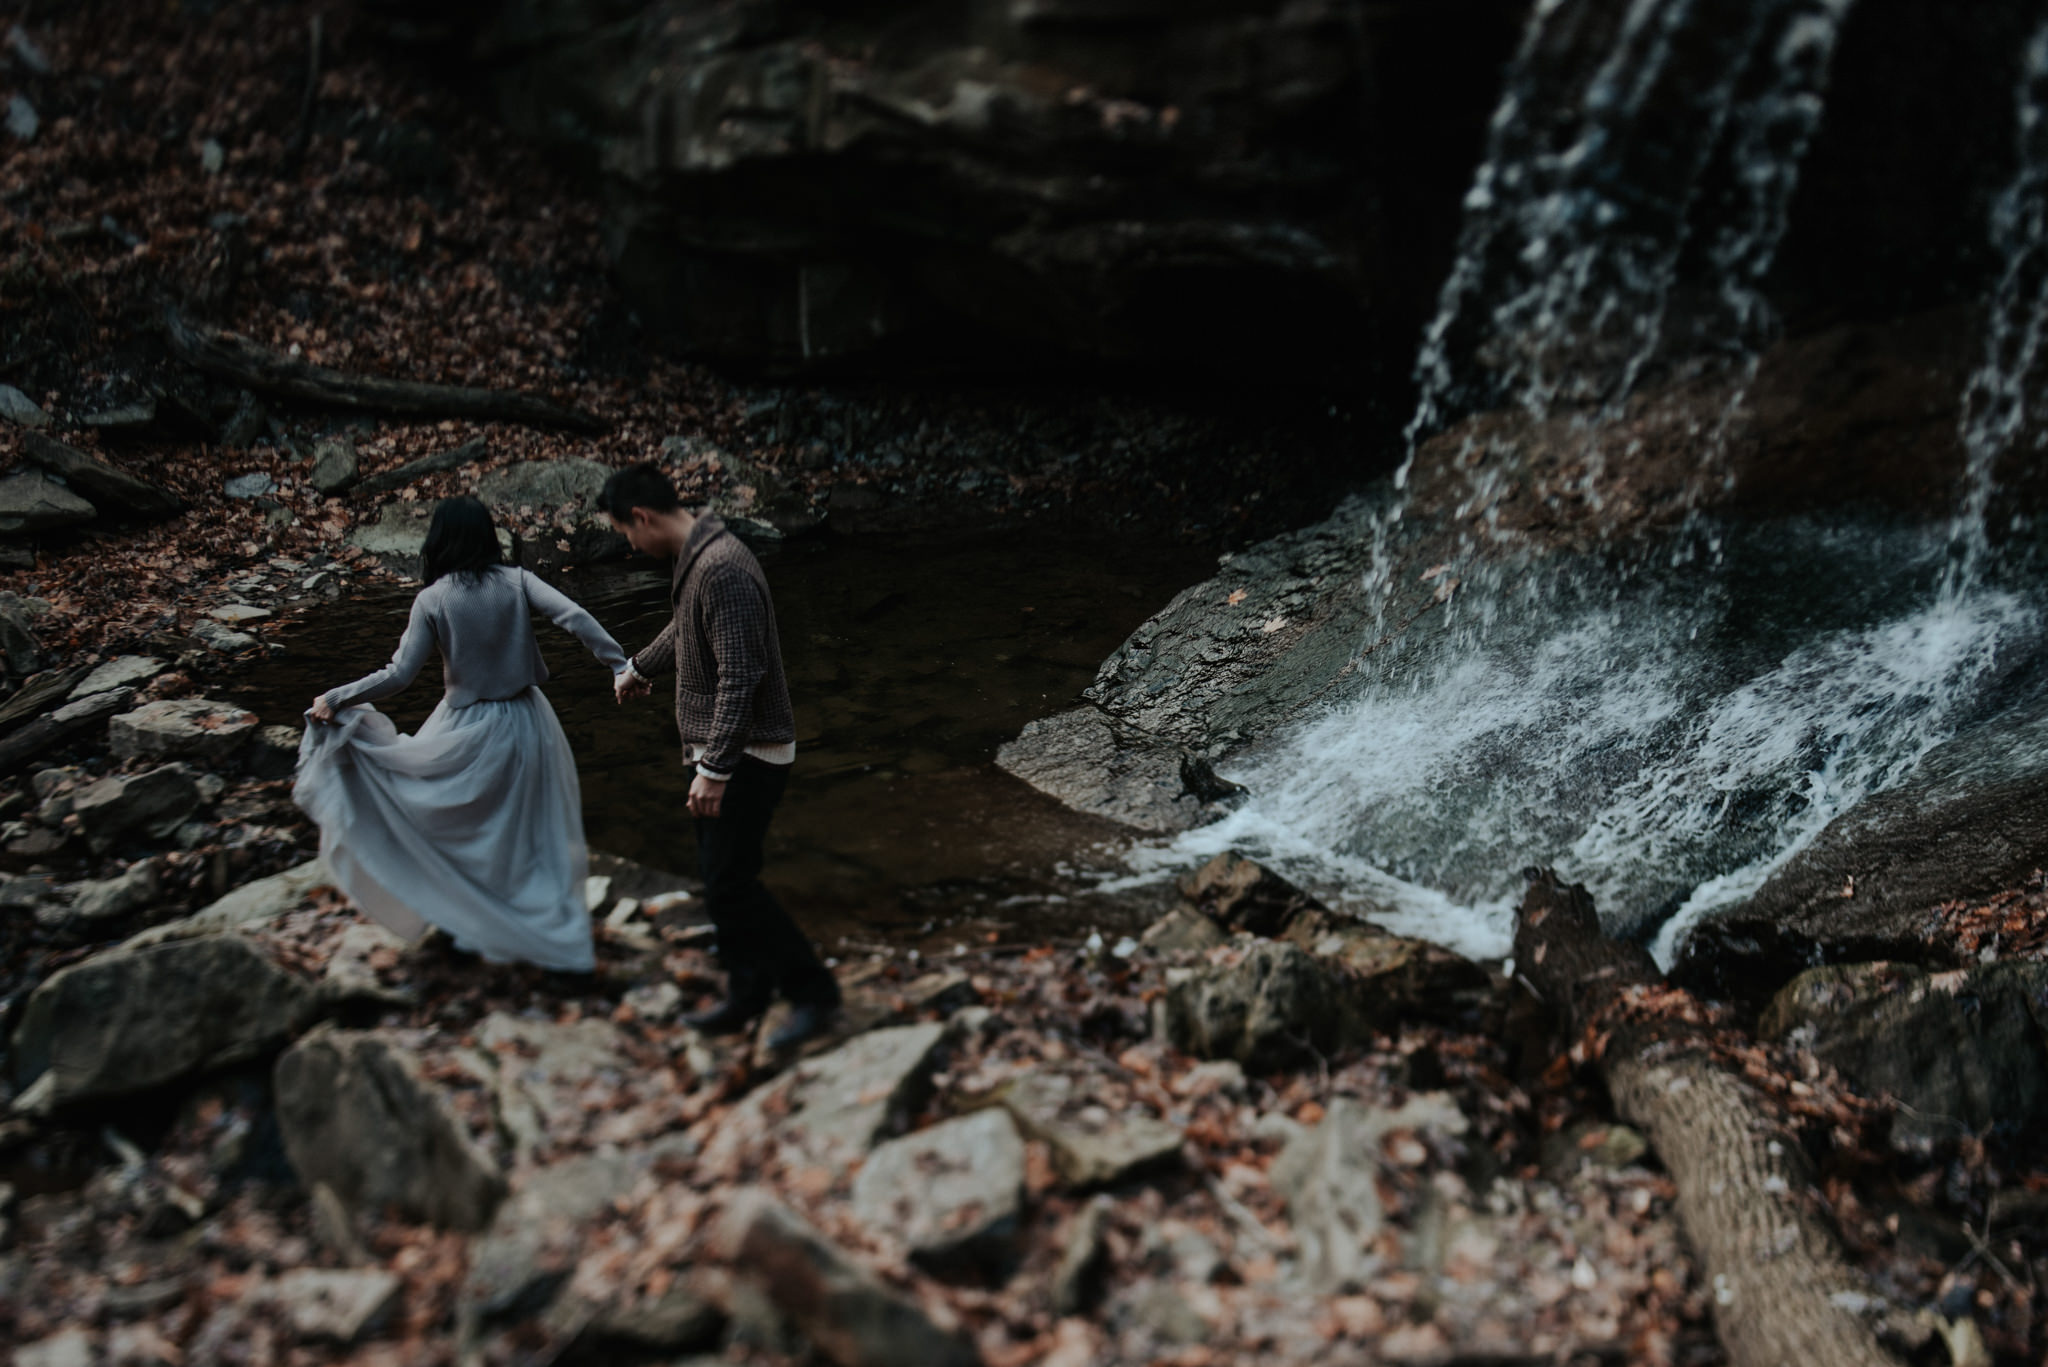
24 744
230 357
1783 1292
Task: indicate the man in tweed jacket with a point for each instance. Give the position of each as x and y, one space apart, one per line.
732 710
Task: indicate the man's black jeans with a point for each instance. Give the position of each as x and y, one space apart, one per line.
761 947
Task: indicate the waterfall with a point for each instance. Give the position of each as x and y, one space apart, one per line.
1670 728
1995 403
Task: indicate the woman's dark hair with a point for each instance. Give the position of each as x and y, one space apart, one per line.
637 486
461 539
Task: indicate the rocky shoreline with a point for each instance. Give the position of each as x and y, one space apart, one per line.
1259 1132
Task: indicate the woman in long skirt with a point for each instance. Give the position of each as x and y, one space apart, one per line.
475 824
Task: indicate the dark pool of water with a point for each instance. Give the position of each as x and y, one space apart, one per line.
908 664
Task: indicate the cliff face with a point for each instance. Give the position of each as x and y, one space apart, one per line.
1241 186
1218 183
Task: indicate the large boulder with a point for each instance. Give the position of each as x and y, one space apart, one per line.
137 1018
198 729
1268 1007
1152 786
1966 1051
568 489
358 1115
254 904
952 1194
543 484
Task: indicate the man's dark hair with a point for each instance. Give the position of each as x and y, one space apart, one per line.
461 540
637 486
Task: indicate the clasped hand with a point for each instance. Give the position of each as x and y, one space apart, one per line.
626 684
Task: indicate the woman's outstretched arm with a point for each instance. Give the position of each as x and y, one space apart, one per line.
415 648
566 613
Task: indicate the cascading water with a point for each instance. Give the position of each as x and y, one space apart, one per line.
1668 727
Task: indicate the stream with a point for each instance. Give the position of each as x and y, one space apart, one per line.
909 663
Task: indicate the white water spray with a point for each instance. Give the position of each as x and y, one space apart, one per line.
1672 733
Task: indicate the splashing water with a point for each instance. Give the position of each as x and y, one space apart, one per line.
1672 727
1995 403
1667 744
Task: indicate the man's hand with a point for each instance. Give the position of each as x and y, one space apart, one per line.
320 710
707 795
626 684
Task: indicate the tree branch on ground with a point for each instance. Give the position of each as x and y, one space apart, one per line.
229 357
1783 1291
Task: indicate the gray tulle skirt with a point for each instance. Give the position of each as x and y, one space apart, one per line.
475 825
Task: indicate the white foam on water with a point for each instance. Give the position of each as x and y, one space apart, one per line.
1626 744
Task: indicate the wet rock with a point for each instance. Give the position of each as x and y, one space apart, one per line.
952 1193
109 899
252 485
1971 820
1330 1177
137 1018
1966 1051
1183 931
1270 1007
154 802
182 728
835 1107
110 489
19 409
1080 758
1091 1145
1230 658
334 1305
32 502
1242 894
335 466
852 1318
357 1114
1077 1282
123 671
253 904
